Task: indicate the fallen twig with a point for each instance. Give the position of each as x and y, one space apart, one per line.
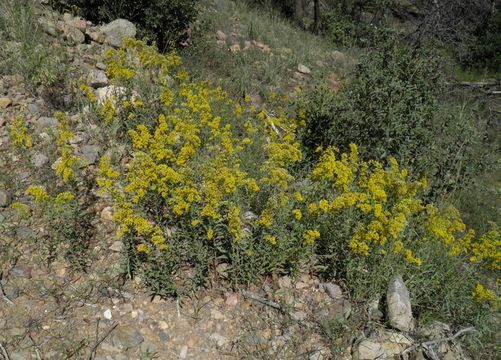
252 296
94 348
427 346
5 354
4 296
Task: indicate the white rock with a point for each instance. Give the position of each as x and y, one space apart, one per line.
303 69
107 314
116 31
399 305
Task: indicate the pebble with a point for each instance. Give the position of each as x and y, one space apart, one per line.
39 160
184 352
5 102
107 314
5 198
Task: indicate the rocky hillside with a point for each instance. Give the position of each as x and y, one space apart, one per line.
65 281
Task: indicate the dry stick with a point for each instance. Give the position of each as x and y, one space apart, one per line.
94 348
9 301
427 345
263 301
4 353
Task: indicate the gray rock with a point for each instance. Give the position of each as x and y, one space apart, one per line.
73 35
39 160
126 338
333 290
116 31
33 108
47 26
20 271
101 66
108 91
5 198
12 292
117 246
162 335
399 305
98 78
368 350
90 154
303 69
47 122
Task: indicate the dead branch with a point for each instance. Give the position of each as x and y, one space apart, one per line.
274 305
96 345
5 354
427 346
4 296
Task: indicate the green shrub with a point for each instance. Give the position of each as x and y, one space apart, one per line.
163 21
393 107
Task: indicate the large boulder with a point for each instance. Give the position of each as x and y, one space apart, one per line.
399 305
116 31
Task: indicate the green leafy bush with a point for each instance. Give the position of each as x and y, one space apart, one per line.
393 106
163 21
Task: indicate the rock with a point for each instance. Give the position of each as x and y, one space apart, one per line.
218 339
78 22
285 282
39 160
89 153
126 338
105 92
116 31
67 17
399 305
47 122
232 300
107 314
107 215
333 290
393 342
221 36
235 48
101 66
217 315
96 36
97 78
303 69
20 271
12 292
5 102
184 352
33 108
47 26
368 350
162 335
117 246
374 312
73 35
5 198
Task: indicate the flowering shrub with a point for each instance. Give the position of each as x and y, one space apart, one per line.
211 181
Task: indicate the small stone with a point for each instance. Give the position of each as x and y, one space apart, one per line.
21 271
299 315
108 91
162 335
221 36
303 69
33 108
247 45
399 305
338 56
117 246
232 300
116 31
47 122
218 339
98 78
73 34
107 314
67 17
12 292
101 66
78 23
184 352
5 198
39 160
5 102
90 153
126 338
107 214
334 291
368 350
235 48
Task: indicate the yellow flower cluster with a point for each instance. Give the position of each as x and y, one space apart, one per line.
40 196
19 133
310 236
65 167
482 294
